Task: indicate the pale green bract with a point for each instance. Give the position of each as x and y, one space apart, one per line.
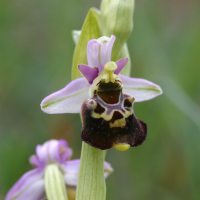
89 31
54 183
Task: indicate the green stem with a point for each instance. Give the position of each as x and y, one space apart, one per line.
91 182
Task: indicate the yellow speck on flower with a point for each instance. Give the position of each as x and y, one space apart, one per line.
122 146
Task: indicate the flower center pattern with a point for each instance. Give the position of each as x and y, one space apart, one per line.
108 117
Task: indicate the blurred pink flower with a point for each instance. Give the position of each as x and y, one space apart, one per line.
31 185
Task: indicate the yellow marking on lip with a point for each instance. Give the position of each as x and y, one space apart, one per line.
131 99
121 146
118 123
108 117
92 104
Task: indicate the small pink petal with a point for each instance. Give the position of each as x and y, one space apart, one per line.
88 72
98 52
53 151
67 100
29 186
71 169
107 169
35 161
64 151
120 65
140 89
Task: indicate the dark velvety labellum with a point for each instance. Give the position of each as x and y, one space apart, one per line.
98 133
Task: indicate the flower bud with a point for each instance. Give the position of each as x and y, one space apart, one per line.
117 19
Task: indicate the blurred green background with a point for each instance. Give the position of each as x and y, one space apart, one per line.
36 52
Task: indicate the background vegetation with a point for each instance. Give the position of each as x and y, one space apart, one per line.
36 52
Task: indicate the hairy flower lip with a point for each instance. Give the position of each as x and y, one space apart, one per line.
114 125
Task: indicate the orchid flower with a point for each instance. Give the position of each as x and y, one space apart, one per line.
31 185
104 97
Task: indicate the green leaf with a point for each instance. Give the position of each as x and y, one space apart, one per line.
90 30
91 182
54 183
